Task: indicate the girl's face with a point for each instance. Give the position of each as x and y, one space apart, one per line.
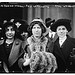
10 33
61 31
36 30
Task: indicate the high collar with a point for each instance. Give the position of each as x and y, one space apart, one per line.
63 38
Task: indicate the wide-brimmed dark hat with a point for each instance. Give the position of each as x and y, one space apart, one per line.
61 22
35 21
22 25
49 22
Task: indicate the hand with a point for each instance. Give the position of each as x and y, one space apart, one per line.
5 67
27 61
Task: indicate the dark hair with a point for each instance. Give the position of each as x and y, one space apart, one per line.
8 24
36 22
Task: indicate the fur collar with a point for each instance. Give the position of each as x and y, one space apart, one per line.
35 45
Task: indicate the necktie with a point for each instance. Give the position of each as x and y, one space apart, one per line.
51 36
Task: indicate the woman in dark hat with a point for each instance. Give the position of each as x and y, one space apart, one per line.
64 46
22 26
11 48
37 43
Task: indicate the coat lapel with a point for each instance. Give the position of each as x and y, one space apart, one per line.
64 43
14 54
64 50
55 37
66 47
59 52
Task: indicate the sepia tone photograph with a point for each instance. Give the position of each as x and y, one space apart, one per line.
37 37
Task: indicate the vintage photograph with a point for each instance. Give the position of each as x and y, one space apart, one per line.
37 37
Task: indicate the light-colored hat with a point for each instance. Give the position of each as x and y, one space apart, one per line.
37 20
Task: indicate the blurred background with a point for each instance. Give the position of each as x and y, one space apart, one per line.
29 11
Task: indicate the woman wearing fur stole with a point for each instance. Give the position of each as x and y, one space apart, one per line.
37 57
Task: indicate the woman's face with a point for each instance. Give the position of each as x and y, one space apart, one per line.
10 33
61 31
36 30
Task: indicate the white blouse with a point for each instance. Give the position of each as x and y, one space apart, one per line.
62 40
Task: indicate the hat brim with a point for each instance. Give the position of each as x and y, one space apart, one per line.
7 24
61 22
33 23
48 23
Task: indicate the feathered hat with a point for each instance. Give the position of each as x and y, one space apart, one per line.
49 22
22 25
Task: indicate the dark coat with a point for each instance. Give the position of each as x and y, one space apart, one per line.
50 43
15 54
62 55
